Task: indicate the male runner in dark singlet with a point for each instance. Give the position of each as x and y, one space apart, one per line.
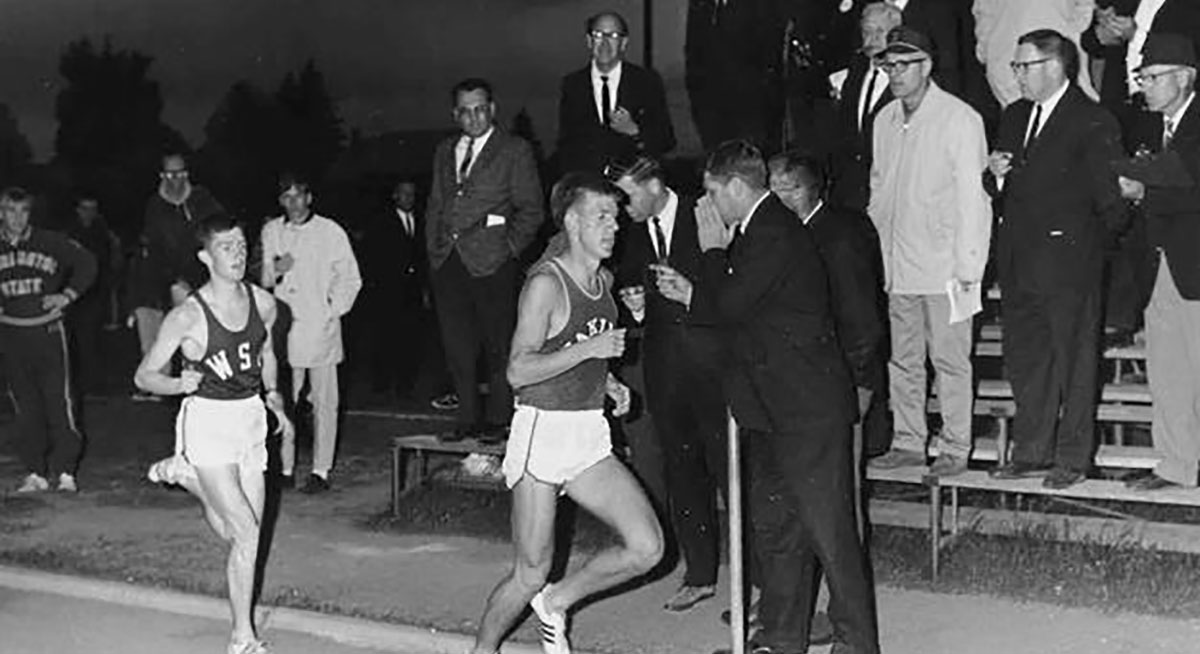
224 332
559 441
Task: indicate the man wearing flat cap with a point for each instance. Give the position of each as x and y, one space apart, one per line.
934 221
1170 200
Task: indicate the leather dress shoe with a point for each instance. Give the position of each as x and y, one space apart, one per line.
1060 478
1019 470
1150 482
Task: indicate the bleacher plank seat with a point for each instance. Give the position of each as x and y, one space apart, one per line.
410 459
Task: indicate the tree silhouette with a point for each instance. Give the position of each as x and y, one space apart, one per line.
15 151
110 130
239 158
311 135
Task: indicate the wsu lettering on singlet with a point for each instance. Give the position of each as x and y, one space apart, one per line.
232 363
582 387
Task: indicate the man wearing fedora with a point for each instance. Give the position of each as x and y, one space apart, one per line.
1167 77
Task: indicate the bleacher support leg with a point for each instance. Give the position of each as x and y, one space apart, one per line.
935 528
395 481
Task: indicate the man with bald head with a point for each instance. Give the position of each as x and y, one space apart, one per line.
610 110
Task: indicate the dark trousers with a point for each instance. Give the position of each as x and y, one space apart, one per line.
36 364
398 338
86 318
801 488
1128 281
689 418
477 313
1050 353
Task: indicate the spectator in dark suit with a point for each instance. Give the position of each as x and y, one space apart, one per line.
611 109
1052 170
681 359
397 292
732 53
849 247
787 383
485 207
864 91
1168 78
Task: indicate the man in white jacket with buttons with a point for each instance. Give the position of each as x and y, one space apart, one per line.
307 260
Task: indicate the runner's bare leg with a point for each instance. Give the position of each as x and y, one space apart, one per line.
534 505
240 507
609 491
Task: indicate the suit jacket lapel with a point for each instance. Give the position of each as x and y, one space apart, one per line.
484 156
1053 124
1189 125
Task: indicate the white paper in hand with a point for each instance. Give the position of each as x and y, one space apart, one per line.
964 303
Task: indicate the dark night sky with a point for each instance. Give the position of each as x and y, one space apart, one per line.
389 63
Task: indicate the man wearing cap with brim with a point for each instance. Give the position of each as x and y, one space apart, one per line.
1171 204
934 221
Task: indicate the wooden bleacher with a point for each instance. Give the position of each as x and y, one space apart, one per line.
410 459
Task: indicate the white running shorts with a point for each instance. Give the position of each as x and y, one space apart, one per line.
554 446
222 432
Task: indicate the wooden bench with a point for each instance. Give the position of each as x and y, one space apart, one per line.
990 345
1077 495
410 459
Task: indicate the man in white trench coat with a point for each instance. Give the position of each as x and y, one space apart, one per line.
308 262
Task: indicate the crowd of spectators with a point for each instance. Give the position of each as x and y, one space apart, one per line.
1079 196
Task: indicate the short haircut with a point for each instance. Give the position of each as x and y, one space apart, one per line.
289 180
468 85
573 187
209 226
173 154
880 7
16 195
738 158
640 169
1054 44
591 21
803 167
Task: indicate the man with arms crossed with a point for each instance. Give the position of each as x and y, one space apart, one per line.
559 439
221 430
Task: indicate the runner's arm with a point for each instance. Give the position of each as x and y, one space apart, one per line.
178 324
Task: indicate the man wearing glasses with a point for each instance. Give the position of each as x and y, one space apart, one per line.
1167 76
611 110
168 231
1052 173
934 223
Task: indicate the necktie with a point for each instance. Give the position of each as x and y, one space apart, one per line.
1033 129
466 162
605 101
1168 132
406 219
866 107
660 239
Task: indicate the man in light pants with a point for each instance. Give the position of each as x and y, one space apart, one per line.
934 221
307 260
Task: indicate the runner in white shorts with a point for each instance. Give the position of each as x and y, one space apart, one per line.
224 332
559 441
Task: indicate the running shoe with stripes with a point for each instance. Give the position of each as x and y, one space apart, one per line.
553 625
171 470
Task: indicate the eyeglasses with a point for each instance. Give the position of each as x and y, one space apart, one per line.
611 36
1147 79
1022 67
900 66
173 174
478 110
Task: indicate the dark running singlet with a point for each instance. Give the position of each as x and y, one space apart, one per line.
582 387
232 364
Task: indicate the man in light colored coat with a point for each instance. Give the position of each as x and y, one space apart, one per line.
307 260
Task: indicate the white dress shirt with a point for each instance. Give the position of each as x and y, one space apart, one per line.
614 83
407 221
666 221
460 150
